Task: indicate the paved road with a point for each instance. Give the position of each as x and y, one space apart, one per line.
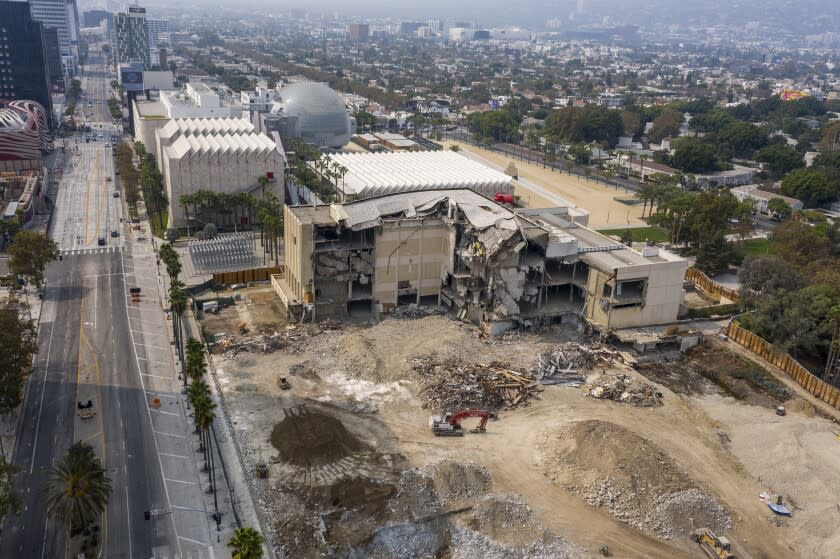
96 345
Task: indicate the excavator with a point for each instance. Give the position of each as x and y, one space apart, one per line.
450 424
714 546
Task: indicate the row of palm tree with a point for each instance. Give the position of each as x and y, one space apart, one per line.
267 209
198 396
178 300
226 209
332 171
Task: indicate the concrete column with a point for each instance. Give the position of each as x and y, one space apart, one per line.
420 266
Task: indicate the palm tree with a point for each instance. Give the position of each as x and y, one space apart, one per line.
246 544
642 159
195 366
185 201
204 415
77 489
178 304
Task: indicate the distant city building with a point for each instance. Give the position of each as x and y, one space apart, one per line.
481 35
435 26
93 18
52 55
358 32
158 30
63 16
131 37
22 57
410 27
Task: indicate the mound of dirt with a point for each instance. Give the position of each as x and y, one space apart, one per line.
504 519
611 467
416 496
308 438
458 482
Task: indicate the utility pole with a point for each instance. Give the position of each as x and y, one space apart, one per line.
832 364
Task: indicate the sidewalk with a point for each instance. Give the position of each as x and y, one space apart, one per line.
235 500
9 424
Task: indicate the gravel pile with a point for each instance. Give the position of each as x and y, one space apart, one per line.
469 544
457 481
679 514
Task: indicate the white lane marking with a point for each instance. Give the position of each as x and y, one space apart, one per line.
164 412
174 456
41 404
128 521
150 346
150 334
179 481
194 541
156 376
154 362
152 425
170 435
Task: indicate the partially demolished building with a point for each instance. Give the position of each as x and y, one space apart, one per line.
491 265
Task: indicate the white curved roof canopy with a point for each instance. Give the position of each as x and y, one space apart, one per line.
374 174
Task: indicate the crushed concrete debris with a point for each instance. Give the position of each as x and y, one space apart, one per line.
680 513
414 311
468 544
626 389
448 384
290 340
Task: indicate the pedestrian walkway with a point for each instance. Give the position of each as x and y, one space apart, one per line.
104 250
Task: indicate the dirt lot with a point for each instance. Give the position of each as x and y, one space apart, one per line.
599 200
354 470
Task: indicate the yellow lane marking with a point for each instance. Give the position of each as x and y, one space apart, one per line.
85 347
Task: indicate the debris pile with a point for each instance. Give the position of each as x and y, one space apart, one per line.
448 384
680 513
624 388
566 363
291 339
457 481
414 311
610 467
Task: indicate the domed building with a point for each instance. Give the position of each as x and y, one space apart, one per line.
312 112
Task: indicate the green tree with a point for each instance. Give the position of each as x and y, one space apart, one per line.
692 155
9 497
779 159
742 138
497 125
665 125
809 185
364 120
246 543
77 489
18 346
30 253
779 207
591 123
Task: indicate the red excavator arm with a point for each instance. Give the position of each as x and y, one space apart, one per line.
456 418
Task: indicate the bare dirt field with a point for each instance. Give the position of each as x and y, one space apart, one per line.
601 201
355 471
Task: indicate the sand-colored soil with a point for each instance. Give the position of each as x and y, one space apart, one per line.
605 211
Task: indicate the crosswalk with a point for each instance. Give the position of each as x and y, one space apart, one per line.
104 250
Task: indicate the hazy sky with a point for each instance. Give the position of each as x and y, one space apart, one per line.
795 15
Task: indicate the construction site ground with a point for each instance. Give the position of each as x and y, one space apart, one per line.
355 471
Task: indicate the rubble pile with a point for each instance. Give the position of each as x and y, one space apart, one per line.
448 384
626 389
470 543
679 514
291 339
566 363
414 311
